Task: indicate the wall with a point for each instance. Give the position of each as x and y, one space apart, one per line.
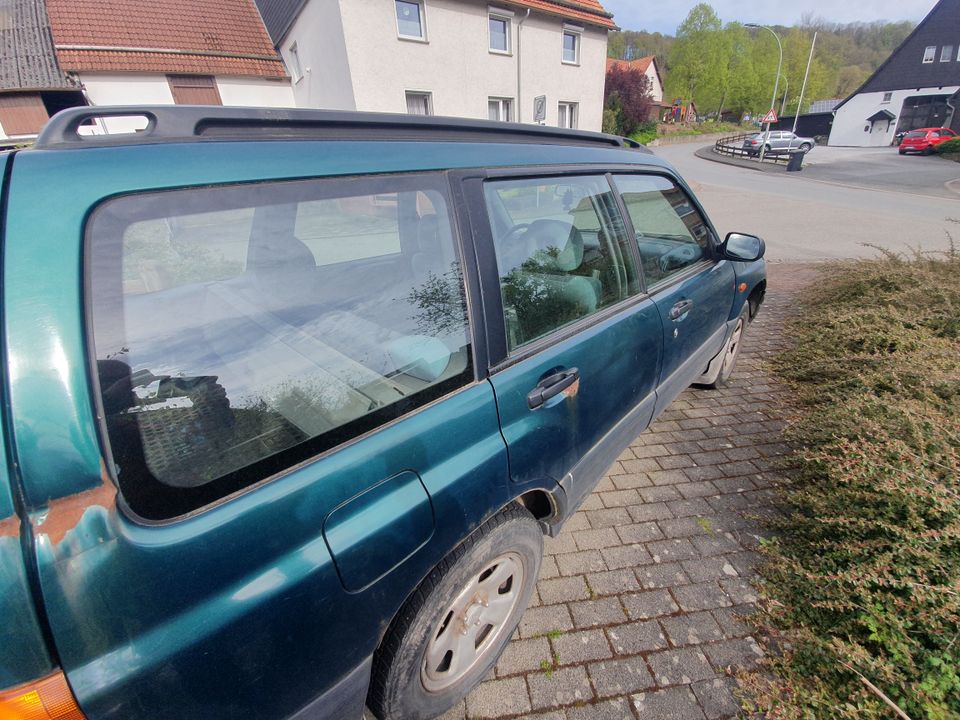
318 34
153 89
850 119
255 92
656 89
454 64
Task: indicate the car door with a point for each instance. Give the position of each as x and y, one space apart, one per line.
579 343
693 292
279 463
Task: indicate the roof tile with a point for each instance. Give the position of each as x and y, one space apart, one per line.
230 28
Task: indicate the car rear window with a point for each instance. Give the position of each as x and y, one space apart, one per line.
916 134
241 330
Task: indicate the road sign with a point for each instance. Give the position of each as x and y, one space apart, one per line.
540 108
770 117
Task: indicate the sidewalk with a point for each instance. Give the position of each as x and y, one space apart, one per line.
636 612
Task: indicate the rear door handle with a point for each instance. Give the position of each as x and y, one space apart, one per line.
680 309
551 386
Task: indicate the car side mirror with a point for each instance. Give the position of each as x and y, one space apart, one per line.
742 248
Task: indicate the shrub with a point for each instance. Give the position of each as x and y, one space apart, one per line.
627 92
949 147
863 580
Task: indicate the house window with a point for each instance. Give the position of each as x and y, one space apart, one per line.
293 55
887 97
194 90
571 45
500 109
946 53
567 115
929 54
419 103
410 19
499 33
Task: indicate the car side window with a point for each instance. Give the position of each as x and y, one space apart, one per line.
671 234
241 330
562 252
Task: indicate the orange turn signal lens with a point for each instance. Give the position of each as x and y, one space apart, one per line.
743 287
49 698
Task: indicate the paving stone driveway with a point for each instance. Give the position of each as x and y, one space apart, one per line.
636 611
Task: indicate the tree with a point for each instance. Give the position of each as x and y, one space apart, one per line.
698 59
627 101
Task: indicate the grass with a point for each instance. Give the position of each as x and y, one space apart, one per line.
649 132
862 584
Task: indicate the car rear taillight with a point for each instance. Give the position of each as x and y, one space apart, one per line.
48 698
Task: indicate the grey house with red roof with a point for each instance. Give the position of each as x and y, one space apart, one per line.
917 86
122 52
468 58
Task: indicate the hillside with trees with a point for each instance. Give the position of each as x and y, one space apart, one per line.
730 68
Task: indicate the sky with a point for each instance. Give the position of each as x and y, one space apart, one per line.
665 16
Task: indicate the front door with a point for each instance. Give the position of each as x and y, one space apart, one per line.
693 293
582 350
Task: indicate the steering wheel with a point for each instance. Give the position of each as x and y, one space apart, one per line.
679 257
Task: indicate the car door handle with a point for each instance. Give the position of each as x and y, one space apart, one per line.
680 309
551 386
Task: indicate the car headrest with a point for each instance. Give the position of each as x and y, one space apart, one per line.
275 252
559 245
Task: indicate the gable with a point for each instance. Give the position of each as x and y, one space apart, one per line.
905 68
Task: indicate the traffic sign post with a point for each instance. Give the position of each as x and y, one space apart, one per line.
540 108
770 117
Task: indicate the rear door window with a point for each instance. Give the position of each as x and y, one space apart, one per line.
671 234
241 330
562 252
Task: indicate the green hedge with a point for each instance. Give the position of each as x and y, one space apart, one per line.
863 580
950 147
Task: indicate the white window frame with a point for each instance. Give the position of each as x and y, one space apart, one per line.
929 54
296 70
572 112
505 16
407 94
423 22
577 32
504 107
946 53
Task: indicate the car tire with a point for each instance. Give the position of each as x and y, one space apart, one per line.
731 351
805 147
425 663
766 149
902 152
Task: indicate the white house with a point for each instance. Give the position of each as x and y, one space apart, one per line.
466 58
917 86
214 52
648 66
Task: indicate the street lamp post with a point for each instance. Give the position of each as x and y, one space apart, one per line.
786 89
776 83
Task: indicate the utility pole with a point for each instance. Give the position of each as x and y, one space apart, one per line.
804 87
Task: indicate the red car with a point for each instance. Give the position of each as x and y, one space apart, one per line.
922 140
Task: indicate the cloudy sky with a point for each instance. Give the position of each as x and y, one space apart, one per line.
665 16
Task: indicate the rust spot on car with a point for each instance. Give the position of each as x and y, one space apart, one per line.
64 514
10 527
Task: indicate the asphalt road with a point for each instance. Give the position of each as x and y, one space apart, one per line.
828 210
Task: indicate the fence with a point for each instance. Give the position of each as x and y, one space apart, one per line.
732 145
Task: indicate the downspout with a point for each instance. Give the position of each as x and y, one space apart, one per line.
519 29
953 109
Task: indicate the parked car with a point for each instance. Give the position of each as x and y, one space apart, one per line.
923 140
777 140
291 397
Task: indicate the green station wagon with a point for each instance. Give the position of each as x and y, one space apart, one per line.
290 398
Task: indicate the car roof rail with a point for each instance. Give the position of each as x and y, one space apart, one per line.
188 123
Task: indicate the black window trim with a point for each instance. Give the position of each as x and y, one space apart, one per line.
472 375
474 205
